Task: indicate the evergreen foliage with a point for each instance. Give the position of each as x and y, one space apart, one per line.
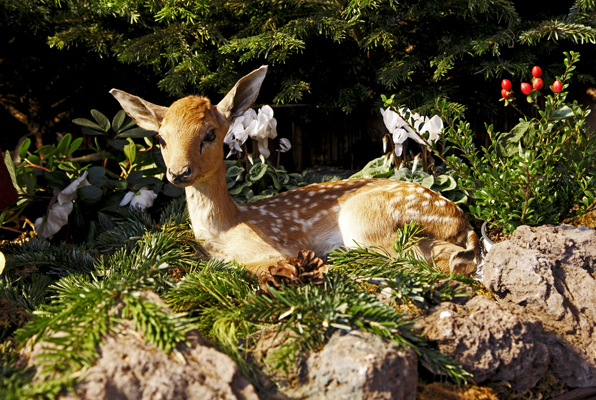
332 54
72 309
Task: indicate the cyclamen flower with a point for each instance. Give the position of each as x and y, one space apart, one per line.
261 127
284 145
57 217
142 199
401 130
240 130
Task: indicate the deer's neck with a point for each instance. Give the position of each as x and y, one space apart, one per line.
212 210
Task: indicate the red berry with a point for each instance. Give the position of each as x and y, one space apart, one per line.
526 88
557 86
506 84
538 83
536 72
505 94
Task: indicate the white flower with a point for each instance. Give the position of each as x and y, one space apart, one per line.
240 130
57 217
433 126
284 145
401 130
264 128
48 226
142 199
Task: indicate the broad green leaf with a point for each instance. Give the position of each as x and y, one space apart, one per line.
56 179
64 144
92 132
96 176
118 120
117 144
2 262
75 145
87 123
233 171
561 113
89 194
130 151
257 171
47 149
507 144
427 182
172 190
24 148
11 169
101 120
136 133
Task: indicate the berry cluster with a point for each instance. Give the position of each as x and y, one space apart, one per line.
527 88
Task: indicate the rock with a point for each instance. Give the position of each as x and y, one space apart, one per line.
548 272
490 342
131 369
356 365
128 368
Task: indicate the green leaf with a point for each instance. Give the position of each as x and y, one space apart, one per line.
47 149
117 144
136 133
427 182
75 145
102 120
87 123
96 176
444 183
507 144
24 148
89 194
130 151
233 171
111 202
561 113
11 169
92 132
158 159
56 179
118 120
172 190
257 171
64 145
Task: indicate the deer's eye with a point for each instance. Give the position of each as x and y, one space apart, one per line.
210 136
161 141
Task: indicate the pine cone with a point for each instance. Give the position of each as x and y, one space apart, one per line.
305 268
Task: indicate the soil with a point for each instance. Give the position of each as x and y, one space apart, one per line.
496 234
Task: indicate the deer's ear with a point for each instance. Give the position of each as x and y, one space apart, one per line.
147 115
243 94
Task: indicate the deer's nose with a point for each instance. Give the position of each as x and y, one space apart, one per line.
180 177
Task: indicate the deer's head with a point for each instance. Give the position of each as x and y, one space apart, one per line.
192 130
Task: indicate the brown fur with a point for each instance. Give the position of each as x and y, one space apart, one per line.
317 217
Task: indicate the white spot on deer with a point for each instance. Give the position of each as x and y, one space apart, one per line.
314 205
420 190
324 212
412 212
312 193
427 195
336 208
440 203
276 230
411 197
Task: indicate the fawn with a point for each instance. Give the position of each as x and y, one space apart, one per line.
318 217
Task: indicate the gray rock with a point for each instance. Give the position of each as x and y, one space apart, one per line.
131 369
357 365
548 272
128 368
490 342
